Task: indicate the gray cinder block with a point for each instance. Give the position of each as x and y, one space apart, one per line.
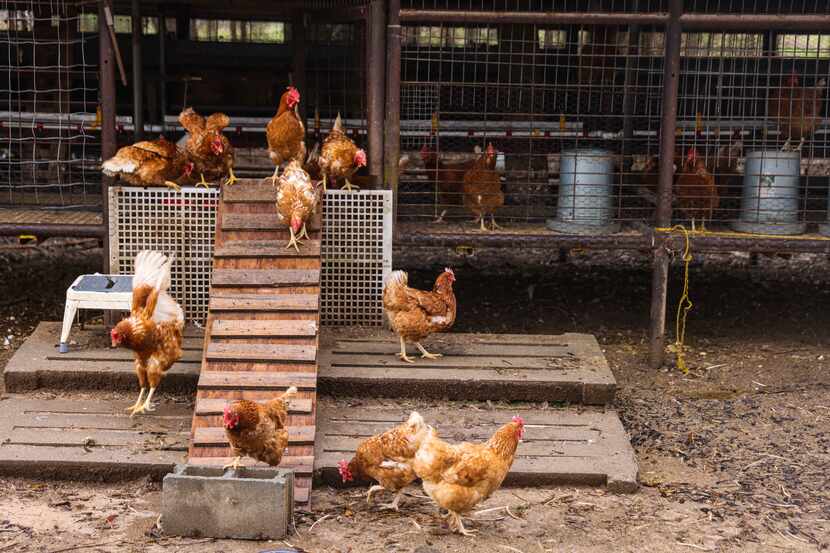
251 503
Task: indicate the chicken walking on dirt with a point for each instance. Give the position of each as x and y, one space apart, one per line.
340 157
297 199
285 132
150 163
387 458
459 476
415 314
207 147
258 430
153 331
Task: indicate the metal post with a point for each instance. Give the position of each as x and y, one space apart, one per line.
629 90
392 142
108 144
163 69
298 31
377 79
659 280
138 77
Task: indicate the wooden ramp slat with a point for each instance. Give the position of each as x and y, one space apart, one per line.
256 249
216 406
252 328
233 351
264 303
266 277
262 333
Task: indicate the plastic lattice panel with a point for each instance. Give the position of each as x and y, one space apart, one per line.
357 256
181 223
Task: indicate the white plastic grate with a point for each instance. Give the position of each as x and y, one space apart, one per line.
181 223
357 256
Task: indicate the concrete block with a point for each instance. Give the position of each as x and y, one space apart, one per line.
251 503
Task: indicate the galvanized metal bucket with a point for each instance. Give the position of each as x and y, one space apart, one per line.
586 193
770 199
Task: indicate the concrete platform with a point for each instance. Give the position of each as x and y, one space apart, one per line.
90 440
91 364
560 447
515 367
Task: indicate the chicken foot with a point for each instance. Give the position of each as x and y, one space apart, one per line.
202 181
402 354
294 241
274 177
303 233
235 464
146 407
493 222
231 177
425 354
137 403
440 218
395 505
349 186
173 185
372 490
458 526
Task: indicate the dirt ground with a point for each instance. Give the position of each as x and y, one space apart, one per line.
733 456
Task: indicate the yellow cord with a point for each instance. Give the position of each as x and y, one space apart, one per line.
685 304
744 234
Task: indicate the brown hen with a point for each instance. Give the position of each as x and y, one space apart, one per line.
696 190
415 314
297 199
207 147
285 132
340 157
387 458
797 109
150 163
153 331
482 188
458 477
258 430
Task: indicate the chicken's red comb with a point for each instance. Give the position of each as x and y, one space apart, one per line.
450 271
490 148
692 154
343 468
519 420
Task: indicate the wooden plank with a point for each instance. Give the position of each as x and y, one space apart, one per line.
265 303
117 354
250 190
252 328
260 222
99 438
266 277
493 366
235 351
258 249
456 350
106 421
215 436
358 431
216 406
242 380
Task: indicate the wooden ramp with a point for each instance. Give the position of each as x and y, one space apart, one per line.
262 329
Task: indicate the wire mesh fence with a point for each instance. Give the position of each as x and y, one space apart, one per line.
574 114
49 146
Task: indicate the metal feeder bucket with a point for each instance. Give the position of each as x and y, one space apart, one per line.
769 203
586 200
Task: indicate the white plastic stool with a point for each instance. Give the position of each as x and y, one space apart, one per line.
108 292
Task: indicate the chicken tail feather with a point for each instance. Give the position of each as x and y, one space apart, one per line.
117 165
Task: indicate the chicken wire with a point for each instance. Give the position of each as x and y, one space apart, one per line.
537 91
49 143
180 223
357 256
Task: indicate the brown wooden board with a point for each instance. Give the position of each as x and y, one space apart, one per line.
91 363
262 328
255 249
514 367
265 277
564 446
94 440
